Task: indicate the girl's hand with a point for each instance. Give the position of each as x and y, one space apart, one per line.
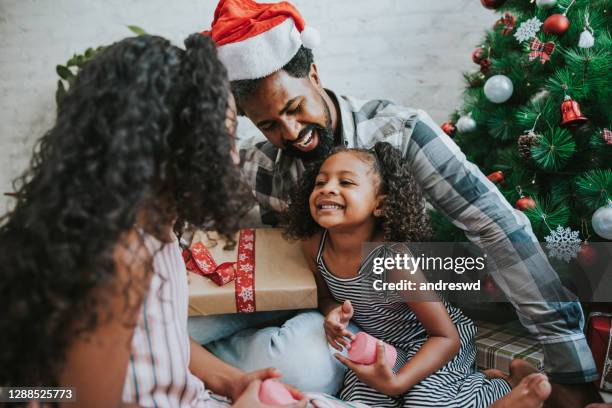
336 323
378 375
243 382
250 398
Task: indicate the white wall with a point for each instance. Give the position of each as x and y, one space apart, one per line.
410 51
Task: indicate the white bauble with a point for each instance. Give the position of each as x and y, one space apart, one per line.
602 221
466 124
498 88
586 39
546 4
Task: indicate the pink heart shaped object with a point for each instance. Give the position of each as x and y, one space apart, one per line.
363 350
271 392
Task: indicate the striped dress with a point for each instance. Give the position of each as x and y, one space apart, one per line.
387 317
158 373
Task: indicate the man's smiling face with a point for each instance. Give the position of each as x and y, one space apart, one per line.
292 114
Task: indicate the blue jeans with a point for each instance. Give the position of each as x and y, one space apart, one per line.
297 346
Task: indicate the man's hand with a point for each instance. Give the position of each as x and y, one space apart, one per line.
250 398
378 375
336 323
243 382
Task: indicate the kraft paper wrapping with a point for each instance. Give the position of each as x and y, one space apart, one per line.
283 280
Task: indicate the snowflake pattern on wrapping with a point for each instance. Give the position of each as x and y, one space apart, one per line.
528 29
246 294
563 243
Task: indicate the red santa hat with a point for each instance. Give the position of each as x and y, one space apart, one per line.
255 40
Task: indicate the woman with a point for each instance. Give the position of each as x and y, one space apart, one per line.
91 282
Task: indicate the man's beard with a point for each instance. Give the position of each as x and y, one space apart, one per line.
324 146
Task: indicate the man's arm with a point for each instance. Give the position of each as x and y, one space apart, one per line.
470 201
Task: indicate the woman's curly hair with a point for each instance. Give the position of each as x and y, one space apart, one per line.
141 130
403 217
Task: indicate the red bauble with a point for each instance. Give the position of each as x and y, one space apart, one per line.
477 55
448 128
492 4
496 177
485 64
586 255
570 112
525 203
556 24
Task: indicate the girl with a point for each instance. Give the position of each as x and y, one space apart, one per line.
359 196
93 292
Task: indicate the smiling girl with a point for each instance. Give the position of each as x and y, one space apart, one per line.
357 196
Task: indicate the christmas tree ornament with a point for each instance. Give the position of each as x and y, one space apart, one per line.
498 88
496 177
606 135
507 23
492 4
570 112
475 79
556 24
602 221
526 142
525 203
448 128
541 50
528 29
478 55
485 64
586 255
466 124
563 243
546 4
586 37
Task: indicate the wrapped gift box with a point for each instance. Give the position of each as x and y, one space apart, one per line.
497 346
599 336
271 273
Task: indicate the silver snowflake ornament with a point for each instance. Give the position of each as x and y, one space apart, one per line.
563 243
528 29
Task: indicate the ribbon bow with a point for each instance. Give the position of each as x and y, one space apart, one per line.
541 50
508 22
198 259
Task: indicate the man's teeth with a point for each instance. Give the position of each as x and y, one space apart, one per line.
306 140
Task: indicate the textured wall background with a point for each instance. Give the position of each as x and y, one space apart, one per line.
410 51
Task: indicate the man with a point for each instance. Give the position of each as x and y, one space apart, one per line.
267 49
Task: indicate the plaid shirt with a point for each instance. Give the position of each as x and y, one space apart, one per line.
469 200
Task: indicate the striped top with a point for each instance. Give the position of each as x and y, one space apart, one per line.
158 373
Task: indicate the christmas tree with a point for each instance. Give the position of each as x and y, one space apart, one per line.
537 115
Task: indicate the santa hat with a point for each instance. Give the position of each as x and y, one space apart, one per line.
255 40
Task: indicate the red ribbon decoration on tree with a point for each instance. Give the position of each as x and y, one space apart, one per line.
508 22
198 259
541 50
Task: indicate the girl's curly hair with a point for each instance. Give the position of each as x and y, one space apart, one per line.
141 129
403 216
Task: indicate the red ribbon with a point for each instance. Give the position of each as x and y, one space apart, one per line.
508 22
198 259
541 50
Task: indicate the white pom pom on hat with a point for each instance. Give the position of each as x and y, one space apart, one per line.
310 37
255 40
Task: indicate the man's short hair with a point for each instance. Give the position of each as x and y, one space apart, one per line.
297 67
